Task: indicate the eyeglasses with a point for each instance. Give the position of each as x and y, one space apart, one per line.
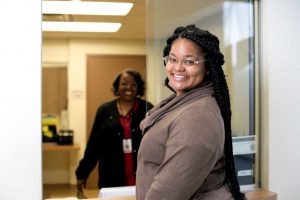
185 61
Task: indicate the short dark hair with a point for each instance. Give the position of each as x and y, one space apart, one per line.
137 77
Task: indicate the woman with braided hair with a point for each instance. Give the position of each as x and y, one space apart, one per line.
186 151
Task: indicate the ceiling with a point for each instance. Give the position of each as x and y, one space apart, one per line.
163 17
133 24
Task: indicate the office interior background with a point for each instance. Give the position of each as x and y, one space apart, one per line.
21 151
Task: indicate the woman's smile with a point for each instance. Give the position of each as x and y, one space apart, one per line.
179 77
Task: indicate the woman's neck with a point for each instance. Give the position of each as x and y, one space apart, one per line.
124 106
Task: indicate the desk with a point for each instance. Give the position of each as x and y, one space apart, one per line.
59 163
56 147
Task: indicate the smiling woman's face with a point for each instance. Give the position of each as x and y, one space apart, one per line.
181 76
127 87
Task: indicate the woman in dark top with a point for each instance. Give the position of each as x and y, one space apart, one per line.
116 136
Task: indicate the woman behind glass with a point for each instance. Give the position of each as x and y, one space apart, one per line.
116 136
186 152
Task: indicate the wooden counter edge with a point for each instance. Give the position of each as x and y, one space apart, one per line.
56 147
251 195
261 195
115 198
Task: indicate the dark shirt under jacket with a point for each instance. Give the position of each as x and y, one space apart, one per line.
105 144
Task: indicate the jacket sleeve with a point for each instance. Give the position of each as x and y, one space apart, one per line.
195 143
92 151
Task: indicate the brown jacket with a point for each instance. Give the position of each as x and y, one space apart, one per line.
181 156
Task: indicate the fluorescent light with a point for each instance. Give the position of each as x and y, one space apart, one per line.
80 26
85 8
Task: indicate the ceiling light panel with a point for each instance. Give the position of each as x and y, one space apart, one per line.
80 26
86 8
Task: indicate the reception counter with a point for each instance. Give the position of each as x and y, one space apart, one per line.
251 195
261 195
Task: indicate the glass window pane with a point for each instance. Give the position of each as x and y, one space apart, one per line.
233 23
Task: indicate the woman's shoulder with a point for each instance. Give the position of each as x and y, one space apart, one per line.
107 105
145 103
205 109
206 103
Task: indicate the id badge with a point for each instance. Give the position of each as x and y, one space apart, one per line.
127 146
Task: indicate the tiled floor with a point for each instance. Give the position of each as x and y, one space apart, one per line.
64 190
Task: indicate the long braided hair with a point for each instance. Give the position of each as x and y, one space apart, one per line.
209 44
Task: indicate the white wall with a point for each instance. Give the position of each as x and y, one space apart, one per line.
55 52
281 64
20 101
156 91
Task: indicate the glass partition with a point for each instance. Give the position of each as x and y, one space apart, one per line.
233 23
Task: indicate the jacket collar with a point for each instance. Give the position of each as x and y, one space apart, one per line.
172 102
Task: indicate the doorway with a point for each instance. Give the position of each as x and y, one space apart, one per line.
101 72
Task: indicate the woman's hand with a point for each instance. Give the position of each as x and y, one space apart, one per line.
81 183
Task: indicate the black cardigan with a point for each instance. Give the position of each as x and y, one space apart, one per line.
105 145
